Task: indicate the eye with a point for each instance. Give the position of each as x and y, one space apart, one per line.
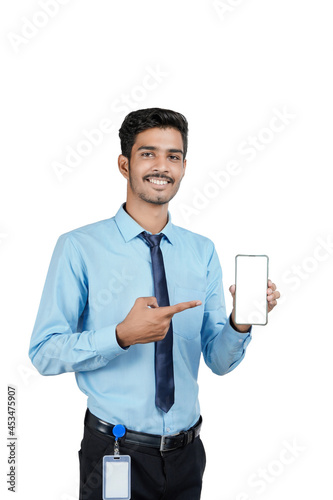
174 157
149 153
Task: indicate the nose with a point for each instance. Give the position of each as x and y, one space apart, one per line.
161 163
161 167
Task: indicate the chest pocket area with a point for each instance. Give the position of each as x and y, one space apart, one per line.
187 324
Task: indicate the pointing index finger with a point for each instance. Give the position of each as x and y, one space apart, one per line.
181 306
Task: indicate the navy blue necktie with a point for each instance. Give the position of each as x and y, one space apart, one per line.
164 378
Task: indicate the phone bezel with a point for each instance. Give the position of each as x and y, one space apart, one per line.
249 255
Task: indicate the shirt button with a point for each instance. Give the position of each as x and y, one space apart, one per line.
168 429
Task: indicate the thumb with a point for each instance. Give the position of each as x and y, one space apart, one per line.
150 302
232 289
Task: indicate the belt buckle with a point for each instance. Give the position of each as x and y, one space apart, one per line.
162 444
163 441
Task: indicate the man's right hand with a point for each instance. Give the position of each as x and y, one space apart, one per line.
147 322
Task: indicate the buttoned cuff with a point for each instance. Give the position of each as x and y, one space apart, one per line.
106 342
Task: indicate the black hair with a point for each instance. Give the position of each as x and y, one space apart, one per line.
143 119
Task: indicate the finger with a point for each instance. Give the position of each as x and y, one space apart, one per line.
181 306
148 301
232 289
271 285
273 295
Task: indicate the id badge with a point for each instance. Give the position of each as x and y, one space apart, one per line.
116 477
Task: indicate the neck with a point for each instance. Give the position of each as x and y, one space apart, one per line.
151 217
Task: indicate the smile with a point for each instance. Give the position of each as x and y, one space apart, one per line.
158 182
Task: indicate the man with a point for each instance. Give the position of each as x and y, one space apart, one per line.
99 317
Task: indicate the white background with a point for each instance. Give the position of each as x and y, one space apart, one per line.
228 72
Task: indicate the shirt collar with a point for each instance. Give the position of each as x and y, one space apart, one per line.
129 228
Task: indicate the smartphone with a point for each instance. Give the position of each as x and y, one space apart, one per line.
251 289
116 477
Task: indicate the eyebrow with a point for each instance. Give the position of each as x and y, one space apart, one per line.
153 148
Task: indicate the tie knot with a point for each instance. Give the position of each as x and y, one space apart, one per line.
153 240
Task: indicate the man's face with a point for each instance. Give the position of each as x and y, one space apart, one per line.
156 166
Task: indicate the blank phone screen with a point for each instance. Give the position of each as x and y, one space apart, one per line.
251 289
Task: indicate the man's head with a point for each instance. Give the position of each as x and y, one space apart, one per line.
154 146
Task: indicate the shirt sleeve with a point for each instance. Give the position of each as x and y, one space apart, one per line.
223 347
57 345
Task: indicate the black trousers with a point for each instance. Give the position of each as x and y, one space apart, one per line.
155 475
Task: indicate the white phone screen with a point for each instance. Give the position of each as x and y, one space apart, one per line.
251 289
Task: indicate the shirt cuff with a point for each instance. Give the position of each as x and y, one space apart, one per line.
240 337
106 342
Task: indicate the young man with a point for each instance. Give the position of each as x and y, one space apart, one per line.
105 315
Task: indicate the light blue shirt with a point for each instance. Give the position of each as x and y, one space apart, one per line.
95 275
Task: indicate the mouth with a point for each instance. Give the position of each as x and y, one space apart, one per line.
159 183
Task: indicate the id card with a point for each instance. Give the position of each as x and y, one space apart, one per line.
116 477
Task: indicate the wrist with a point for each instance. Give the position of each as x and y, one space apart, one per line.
120 336
235 326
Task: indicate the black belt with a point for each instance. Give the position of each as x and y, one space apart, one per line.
163 443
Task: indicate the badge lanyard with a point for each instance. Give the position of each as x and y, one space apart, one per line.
117 471
118 431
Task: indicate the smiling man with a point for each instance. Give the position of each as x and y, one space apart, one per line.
105 314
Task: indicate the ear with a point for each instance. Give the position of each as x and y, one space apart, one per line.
123 166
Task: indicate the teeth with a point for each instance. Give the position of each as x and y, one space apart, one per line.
154 181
